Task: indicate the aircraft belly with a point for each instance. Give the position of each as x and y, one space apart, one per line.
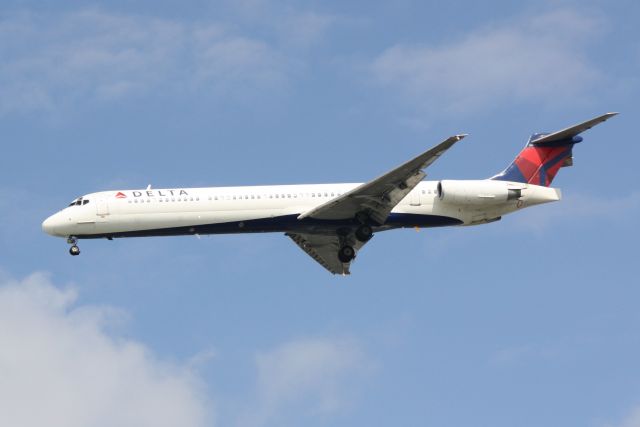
247 222
152 221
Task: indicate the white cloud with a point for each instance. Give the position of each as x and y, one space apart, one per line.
52 60
541 59
236 63
631 420
59 366
312 373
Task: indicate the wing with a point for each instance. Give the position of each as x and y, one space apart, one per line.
324 249
375 199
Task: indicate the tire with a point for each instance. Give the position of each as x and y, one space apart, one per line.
346 254
364 233
74 250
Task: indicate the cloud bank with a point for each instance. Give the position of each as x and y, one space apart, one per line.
541 59
312 373
631 420
54 60
59 367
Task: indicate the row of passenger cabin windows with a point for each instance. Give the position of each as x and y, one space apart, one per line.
167 200
273 196
238 197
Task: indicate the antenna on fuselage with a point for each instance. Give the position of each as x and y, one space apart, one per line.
149 187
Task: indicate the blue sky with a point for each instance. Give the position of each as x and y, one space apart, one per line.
529 321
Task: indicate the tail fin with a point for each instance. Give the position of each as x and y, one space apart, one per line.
542 157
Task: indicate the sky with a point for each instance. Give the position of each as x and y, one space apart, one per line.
529 321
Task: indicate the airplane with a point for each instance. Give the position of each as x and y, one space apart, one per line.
330 222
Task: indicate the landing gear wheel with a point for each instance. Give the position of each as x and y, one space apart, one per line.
364 233
74 250
346 254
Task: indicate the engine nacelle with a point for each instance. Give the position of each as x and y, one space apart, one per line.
484 192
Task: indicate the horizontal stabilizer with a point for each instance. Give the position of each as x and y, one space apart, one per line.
572 131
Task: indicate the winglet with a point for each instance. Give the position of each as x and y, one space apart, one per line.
570 132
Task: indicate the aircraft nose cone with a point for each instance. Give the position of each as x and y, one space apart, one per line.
51 225
47 225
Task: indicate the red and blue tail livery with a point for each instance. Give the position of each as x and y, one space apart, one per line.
544 155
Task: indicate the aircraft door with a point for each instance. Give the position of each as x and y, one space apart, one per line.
102 208
414 197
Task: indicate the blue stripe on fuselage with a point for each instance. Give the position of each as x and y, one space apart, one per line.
284 223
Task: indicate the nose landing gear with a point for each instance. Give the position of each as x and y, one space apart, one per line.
74 250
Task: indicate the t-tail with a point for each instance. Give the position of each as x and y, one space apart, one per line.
545 153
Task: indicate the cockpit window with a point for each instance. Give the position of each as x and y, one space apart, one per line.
79 202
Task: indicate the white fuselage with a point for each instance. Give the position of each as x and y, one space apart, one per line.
212 210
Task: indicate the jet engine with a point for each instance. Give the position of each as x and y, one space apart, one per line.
485 192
